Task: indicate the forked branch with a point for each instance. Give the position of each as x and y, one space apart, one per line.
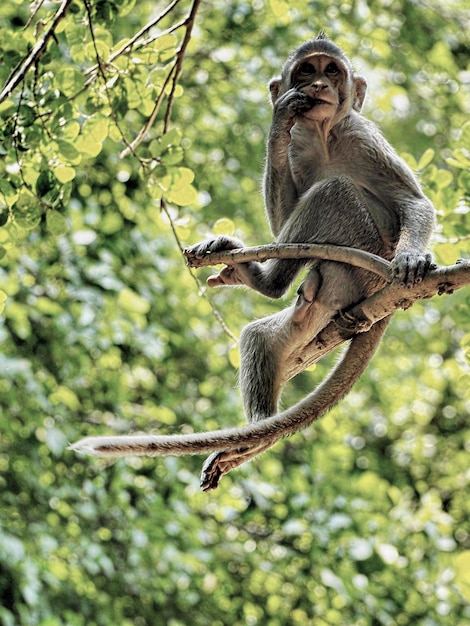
394 296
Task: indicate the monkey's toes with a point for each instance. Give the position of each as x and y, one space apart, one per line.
211 472
208 483
352 324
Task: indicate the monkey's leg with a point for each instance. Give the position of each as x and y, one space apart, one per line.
260 345
264 346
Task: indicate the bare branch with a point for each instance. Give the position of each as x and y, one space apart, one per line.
180 58
353 256
378 306
438 281
202 291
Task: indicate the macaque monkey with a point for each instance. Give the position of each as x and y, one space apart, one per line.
330 178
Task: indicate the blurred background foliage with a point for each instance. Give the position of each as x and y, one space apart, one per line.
364 518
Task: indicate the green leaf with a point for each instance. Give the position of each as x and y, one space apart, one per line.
183 195
68 152
4 215
27 212
64 174
465 138
425 159
96 128
172 155
223 226
45 183
171 138
70 81
464 181
65 396
462 569
70 130
56 223
460 158
443 178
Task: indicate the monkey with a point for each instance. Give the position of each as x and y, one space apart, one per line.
331 178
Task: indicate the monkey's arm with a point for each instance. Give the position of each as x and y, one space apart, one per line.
411 263
271 278
389 178
280 193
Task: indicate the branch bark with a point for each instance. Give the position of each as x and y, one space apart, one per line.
383 303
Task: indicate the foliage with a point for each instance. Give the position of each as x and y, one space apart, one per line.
362 519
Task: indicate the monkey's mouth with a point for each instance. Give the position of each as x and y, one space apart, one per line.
319 102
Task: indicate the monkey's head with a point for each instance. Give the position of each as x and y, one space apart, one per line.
322 70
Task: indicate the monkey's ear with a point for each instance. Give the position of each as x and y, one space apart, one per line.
359 92
274 88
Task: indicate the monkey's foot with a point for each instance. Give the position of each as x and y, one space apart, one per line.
352 324
220 463
211 472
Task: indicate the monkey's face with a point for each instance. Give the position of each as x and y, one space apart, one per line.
325 79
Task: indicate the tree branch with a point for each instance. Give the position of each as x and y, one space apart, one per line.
172 75
383 303
128 46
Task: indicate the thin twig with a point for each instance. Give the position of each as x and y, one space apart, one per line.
179 59
173 74
127 47
381 304
202 292
343 254
35 7
101 73
149 123
35 53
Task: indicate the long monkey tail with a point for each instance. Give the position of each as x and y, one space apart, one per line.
326 395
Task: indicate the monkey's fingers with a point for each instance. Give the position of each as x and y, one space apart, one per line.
409 269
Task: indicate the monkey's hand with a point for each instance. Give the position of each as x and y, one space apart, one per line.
212 245
288 107
409 269
229 275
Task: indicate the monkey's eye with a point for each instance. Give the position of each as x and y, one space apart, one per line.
306 68
332 69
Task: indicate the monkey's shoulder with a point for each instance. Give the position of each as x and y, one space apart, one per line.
365 147
356 131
